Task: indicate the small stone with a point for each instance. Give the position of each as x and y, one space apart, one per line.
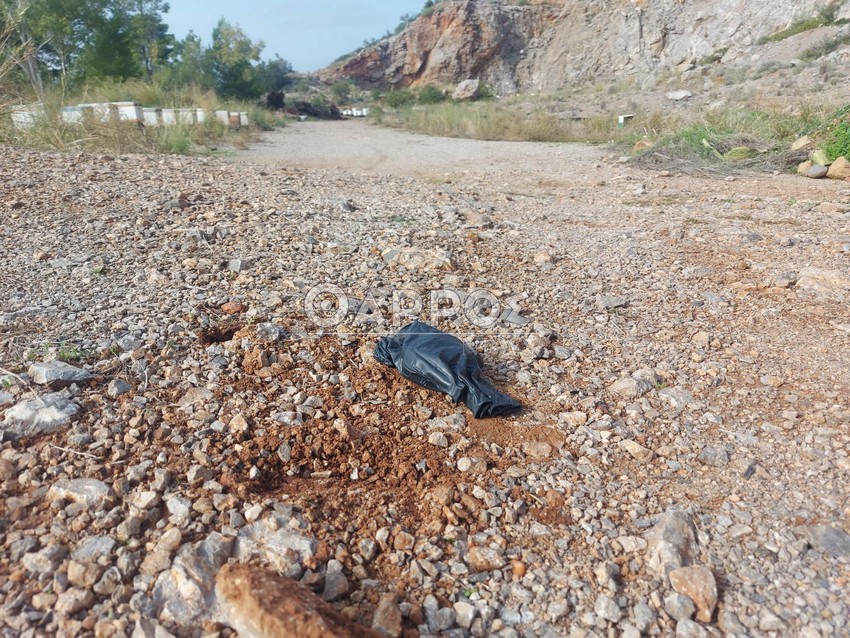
179 508
678 96
701 339
258 602
573 419
73 600
57 374
439 439
768 621
169 541
839 169
269 332
687 628
697 583
43 601
197 474
33 417
644 616
537 449
636 450
543 257
147 628
7 470
610 302
233 307
414 258
473 464
714 456
117 387
253 513
83 575
388 618
679 607
728 622
832 541
236 265
87 491
464 614
368 548
195 396
801 143
630 388
607 608
93 548
518 569
336 584
679 398
671 542
485 559
631 544
46 560
109 582
144 499
816 171
404 542
629 631
289 418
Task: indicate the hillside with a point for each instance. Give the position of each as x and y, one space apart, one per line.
544 46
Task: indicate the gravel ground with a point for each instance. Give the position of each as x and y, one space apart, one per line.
679 344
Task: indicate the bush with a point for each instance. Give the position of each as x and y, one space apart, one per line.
399 98
341 90
825 48
839 144
430 94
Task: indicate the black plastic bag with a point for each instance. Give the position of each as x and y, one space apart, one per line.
442 362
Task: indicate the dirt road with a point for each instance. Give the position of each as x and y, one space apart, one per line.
357 146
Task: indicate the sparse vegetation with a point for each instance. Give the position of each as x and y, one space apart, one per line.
756 137
825 48
826 16
488 121
752 138
834 134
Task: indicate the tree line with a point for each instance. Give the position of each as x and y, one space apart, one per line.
65 43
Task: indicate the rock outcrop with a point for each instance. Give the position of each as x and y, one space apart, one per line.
546 45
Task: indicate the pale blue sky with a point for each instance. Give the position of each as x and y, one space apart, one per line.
309 34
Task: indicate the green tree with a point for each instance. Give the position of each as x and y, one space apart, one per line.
19 36
13 52
191 65
235 61
153 44
111 52
275 74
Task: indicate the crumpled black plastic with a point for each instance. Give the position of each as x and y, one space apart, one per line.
442 362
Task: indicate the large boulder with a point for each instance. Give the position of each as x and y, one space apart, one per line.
467 90
839 169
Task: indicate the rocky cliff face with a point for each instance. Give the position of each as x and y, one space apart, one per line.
548 45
